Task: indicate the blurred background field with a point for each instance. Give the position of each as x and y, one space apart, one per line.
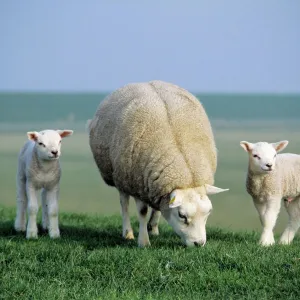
233 117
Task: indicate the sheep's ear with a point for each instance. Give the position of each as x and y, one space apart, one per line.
211 190
246 146
175 199
32 135
280 145
65 132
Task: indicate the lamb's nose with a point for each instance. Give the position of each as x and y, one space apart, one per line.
54 152
269 165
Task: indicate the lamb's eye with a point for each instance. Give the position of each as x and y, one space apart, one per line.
59 141
256 156
41 144
182 216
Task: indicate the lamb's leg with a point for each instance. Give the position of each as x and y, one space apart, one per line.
127 230
32 210
20 221
293 209
153 222
52 204
268 214
44 210
142 209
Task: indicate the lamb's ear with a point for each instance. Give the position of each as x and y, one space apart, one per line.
280 145
65 132
246 146
211 190
32 135
175 199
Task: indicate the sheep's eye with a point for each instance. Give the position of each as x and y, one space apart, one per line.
275 155
256 156
41 144
59 141
183 217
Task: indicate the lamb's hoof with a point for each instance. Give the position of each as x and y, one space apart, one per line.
20 228
31 234
153 230
267 243
143 243
128 235
54 234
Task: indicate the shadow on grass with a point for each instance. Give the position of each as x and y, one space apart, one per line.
109 235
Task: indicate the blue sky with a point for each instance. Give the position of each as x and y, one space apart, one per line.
204 46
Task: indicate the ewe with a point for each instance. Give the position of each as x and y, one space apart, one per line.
153 141
270 178
39 168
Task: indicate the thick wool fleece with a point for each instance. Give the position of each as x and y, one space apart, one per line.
148 139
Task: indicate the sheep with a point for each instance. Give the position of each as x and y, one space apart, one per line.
39 168
153 141
270 178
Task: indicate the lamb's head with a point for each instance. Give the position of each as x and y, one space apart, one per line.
262 155
187 212
48 142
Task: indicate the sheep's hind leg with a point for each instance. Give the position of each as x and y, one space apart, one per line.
153 222
20 220
293 209
45 221
142 209
127 229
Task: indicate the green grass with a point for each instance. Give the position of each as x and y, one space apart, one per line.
92 261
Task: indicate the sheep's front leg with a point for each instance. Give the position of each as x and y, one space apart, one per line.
52 205
293 209
20 221
127 230
45 221
153 222
268 214
142 209
32 210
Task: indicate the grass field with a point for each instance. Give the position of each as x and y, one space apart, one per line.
91 261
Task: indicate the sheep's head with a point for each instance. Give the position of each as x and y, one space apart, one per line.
187 212
262 155
48 142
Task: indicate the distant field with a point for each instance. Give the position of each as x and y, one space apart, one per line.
82 189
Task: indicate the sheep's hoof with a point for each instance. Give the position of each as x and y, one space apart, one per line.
54 234
128 235
153 230
267 243
20 228
144 242
31 234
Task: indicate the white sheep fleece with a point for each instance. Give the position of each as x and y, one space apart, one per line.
270 179
39 168
153 141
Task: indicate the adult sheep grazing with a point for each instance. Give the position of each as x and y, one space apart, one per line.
270 179
153 141
39 168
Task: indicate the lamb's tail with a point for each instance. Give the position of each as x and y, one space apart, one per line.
88 125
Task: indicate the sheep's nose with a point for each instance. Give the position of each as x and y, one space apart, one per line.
54 152
269 165
199 243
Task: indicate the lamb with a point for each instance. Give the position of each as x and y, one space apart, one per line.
270 178
153 141
39 168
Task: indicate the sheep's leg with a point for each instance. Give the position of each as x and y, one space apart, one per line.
153 222
261 209
52 205
20 221
293 209
269 214
127 230
142 209
32 210
44 210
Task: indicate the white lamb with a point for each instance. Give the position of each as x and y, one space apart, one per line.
153 141
270 178
39 168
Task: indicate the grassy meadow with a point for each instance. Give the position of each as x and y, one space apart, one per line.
92 261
